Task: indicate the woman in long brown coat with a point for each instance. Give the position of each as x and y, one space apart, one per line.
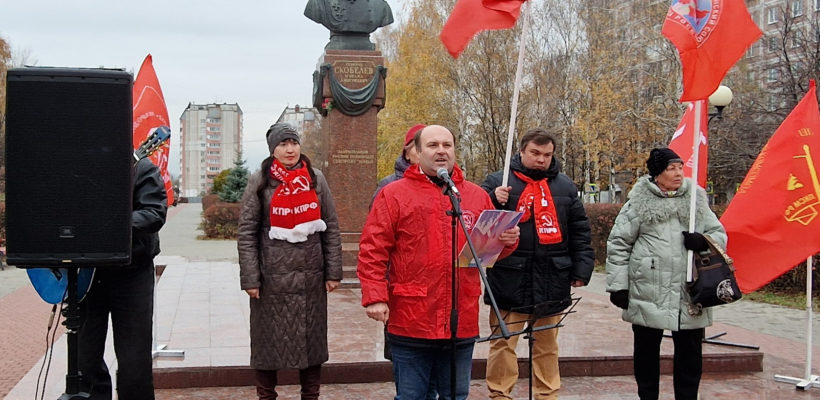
290 257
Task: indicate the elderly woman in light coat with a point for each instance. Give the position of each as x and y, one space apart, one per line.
646 272
290 256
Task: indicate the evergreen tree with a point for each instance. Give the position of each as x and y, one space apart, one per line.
235 183
219 181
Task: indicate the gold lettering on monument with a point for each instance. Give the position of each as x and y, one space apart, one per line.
352 157
354 73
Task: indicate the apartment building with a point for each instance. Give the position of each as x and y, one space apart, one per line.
210 139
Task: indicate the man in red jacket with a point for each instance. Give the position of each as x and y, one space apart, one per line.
408 229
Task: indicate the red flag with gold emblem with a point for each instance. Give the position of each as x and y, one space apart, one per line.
472 16
150 113
710 35
682 142
772 220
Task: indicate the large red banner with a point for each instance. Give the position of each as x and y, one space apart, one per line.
472 16
772 221
150 113
710 35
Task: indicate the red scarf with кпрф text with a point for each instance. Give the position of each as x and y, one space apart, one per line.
537 199
294 206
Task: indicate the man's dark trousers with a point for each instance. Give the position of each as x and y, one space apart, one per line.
127 293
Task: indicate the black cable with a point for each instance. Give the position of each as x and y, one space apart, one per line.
51 353
49 349
48 330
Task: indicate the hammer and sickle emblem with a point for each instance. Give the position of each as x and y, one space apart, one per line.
301 184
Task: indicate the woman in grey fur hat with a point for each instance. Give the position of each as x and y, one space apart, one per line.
646 272
290 257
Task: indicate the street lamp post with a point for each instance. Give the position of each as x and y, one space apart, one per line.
720 99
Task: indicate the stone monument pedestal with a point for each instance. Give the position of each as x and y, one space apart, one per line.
351 167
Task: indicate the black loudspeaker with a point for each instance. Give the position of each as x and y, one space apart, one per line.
69 160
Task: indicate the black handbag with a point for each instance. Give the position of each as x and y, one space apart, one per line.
713 282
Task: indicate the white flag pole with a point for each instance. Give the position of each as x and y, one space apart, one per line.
694 189
516 89
808 381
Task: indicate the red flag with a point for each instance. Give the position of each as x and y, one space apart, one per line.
772 221
150 113
682 142
472 16
710 35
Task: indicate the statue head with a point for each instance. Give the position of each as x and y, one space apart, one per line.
350 21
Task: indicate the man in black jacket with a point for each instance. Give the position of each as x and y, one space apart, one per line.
127 294
553 255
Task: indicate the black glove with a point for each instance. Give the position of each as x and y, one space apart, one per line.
694 241
620 298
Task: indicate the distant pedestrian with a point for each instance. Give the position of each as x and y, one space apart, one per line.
646 272
290 257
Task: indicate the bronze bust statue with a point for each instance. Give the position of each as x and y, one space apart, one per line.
350 21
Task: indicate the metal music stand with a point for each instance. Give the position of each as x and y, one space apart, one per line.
535 312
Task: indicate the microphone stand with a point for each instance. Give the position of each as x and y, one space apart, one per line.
456 216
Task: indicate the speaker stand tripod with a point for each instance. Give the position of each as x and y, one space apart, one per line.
72 324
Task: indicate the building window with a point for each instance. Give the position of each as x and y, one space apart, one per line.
817 4
750 76
772 43
797 39
797 8
772 103
750 52
773 75
772 16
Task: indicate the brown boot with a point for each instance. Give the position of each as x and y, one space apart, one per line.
310 378
266 384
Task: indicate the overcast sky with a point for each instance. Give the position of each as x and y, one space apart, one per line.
260 54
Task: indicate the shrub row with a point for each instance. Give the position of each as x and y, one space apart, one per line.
220 220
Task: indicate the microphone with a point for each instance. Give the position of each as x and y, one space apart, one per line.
445 176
